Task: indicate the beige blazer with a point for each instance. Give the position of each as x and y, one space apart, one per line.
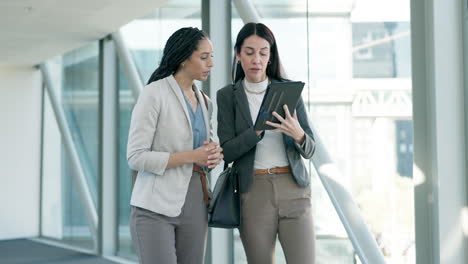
160 125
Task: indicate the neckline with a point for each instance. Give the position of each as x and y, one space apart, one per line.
188 103
251 87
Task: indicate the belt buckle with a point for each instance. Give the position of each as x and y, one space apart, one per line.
269 172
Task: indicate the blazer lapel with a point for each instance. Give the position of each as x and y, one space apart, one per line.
204 108
178 92
242 102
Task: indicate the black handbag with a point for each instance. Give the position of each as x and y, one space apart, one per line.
224 208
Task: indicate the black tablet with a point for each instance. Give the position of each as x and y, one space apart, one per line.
277 95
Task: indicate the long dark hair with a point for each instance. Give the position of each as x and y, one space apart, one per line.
180 46
259 29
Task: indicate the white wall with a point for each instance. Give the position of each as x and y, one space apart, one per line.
20 127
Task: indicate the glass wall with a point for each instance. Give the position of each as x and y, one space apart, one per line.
145 38
354 57
76 79
126 176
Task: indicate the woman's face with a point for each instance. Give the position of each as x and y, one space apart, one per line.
254 57
199 64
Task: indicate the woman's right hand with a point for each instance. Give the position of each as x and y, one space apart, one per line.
209 154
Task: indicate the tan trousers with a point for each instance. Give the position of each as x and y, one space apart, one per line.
277 206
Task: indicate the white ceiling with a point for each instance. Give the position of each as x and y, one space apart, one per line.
32 31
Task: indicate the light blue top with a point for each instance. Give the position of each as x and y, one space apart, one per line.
198 124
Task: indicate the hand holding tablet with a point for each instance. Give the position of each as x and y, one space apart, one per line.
277 95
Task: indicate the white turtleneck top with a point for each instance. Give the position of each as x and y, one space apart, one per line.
270 152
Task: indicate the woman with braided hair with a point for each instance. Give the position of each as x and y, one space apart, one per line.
169 145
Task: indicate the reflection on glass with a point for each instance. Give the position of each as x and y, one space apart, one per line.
76 78
354 56
126 102
145 38
381 50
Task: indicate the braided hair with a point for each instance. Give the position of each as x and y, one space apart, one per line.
179 47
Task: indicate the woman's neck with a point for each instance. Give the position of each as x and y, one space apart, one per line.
184 82
257 83
257 80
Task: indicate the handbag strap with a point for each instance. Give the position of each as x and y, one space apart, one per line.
228 165
233 111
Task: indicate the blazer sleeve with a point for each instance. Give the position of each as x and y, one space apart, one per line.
234 145
307 148
143 125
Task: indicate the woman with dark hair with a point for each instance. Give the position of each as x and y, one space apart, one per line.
273 179
169 145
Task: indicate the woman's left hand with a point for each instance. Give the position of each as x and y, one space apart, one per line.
215 157
289 125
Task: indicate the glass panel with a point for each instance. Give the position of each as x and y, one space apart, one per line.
77 81
145 38
81 104
381 50
354 56
126 102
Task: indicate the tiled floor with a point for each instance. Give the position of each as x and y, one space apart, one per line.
25 251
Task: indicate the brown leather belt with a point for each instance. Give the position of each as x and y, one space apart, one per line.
200 170
277 170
